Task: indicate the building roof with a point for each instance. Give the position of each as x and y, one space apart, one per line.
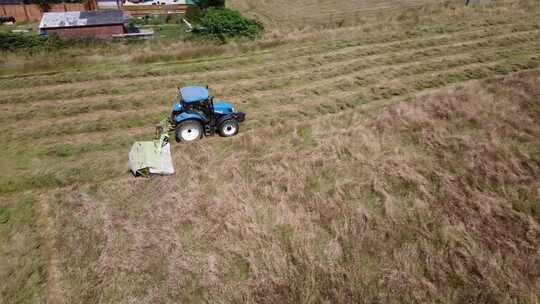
77 19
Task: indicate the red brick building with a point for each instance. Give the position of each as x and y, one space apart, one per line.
94 24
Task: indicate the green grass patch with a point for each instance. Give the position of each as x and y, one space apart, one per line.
21 264
324 182
239 270
81 244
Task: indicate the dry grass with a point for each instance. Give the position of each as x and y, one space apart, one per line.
309 13
433 199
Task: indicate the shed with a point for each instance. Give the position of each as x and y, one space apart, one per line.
93 24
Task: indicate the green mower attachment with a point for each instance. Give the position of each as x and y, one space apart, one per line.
152 157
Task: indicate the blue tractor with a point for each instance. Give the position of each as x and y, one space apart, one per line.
196 115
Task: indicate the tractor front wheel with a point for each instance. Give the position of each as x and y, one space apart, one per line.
189 131
228 128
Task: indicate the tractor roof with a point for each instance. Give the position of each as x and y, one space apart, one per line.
194 94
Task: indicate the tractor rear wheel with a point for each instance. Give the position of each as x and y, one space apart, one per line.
189 131
228 128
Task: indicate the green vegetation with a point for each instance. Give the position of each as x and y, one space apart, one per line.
46 5
285 14
224 24
393 159
32 44
21 265
205 4
15 42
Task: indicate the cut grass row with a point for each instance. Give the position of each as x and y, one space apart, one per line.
104 72
328 13
475 59
346 78
289 64
342 66
341 82
396 73
83 172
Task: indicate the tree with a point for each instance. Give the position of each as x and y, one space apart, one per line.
205 4
45 5
225 23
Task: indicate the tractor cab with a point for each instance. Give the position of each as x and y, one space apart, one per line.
196 115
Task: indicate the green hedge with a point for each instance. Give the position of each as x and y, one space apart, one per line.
226 23
30 42
205 4
18 41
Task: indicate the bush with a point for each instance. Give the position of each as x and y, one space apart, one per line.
16 41
31 43
226 23
193 13
46 5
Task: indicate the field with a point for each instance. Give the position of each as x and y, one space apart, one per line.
317 13
394 159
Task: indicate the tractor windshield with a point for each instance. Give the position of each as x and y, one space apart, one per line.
201 108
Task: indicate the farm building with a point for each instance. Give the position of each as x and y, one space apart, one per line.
93 24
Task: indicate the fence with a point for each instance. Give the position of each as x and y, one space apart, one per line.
32 12
143 10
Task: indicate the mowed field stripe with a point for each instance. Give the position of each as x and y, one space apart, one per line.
130 119
387 89
112 164
98 120
323 81
87 89
343 79
261 63
60 108
206 64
